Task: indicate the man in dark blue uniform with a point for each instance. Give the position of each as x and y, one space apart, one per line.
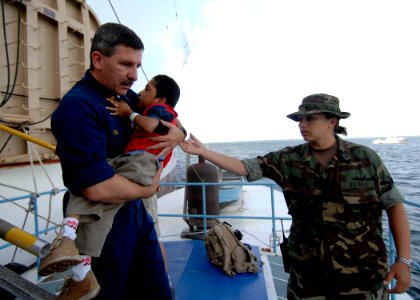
131 262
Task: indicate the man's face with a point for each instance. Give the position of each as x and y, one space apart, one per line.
119 71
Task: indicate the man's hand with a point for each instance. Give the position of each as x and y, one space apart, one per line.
155 187
169 141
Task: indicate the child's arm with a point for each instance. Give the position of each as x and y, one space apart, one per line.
149 124
122 109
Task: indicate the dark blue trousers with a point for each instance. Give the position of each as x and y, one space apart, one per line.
131 265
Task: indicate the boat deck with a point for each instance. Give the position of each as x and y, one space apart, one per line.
192 274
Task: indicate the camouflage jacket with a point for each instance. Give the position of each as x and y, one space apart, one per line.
335 238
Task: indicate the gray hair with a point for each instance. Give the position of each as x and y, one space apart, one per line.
110 35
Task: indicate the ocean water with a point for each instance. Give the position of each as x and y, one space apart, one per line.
401 160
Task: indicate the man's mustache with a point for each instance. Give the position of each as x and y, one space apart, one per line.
128 82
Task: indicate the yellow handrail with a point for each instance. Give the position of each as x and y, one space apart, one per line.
23 239
27 137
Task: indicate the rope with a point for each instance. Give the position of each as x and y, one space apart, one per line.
37 215
16 188
54 190
28 210
198 175
32 164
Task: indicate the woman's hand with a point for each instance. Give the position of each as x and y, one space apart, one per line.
193 145
402 274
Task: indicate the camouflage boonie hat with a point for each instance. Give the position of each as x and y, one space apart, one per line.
319 103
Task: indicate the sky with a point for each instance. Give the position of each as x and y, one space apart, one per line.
243 65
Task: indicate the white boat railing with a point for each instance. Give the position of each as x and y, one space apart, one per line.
206 216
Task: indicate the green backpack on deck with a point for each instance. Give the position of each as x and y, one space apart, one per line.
226 251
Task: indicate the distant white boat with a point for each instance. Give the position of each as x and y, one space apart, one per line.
391 140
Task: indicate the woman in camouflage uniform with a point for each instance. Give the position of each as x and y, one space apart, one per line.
335 192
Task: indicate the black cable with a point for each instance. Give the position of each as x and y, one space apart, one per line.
9 95
145 76
7 52
115 13
5 143
25 96
26 123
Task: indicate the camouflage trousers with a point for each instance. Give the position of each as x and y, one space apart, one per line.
319 287
379 295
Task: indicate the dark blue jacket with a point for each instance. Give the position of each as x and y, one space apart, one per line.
87 134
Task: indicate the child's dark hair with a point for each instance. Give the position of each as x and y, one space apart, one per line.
167 88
